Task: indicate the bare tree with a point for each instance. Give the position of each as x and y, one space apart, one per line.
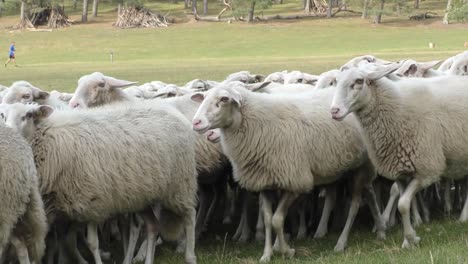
378 16
205 7
194 7
251 12
308 6
84 16
447 11
329 9
365 9
95 7
416 4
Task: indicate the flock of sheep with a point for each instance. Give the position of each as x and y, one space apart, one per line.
156 163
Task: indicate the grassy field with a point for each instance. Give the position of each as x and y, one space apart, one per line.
55 60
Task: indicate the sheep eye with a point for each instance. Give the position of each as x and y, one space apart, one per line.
224 99
26 96
359 81
101 84
299 80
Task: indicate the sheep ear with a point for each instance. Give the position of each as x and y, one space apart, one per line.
375 75
430 64
411 70
236 97
42 112
259 78
311 79
116 83
257 86
197 97
369 58
38 94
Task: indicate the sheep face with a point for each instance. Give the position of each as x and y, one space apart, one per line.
299 77
219 108
277 77
327 79
354 89
245 77
213 135
24 92
24 118
411 68
96 89
460 65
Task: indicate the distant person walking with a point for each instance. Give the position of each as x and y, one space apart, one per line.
11 55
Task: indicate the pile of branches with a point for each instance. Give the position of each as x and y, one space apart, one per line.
57 18
134 17
423 16
319 6
40 18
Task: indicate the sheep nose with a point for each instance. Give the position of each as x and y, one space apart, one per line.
74 104
196 122
335 110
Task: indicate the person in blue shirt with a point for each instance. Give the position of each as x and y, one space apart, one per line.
11 56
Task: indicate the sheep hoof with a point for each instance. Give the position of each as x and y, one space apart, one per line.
340 247
410 243
381 235
265 258
417 222
290 253
243 238
320 234
191 260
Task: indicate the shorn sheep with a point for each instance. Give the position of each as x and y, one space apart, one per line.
415 129
280 142
108 161
23 219
25 92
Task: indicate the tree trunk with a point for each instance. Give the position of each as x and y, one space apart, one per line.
378 16
84 16
330 7
308 6
416 4
205 7
365 9
23 10
95 7
447 11
280 2
186 4
194 7
251 12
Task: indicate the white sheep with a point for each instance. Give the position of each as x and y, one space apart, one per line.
277 77
25 92
412 68
200 85
272 141
414 129
108 161
361 60
22 212
459 65
327 79
101 88
300 77
245 77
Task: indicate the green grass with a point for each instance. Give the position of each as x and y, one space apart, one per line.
55 60
443 241
181 52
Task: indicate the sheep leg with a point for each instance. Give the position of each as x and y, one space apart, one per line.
152 232
140 256
93 242
267 215
260 227
211 209
134 233
21 250
394 194
123 223
404 206
464 213
302 232
245 228
423 206
371 200
71 241
277 222
329 204
417 220
447 198
202 212
190 257
238 232
230 204
353 210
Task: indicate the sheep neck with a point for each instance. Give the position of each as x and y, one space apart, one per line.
386 127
